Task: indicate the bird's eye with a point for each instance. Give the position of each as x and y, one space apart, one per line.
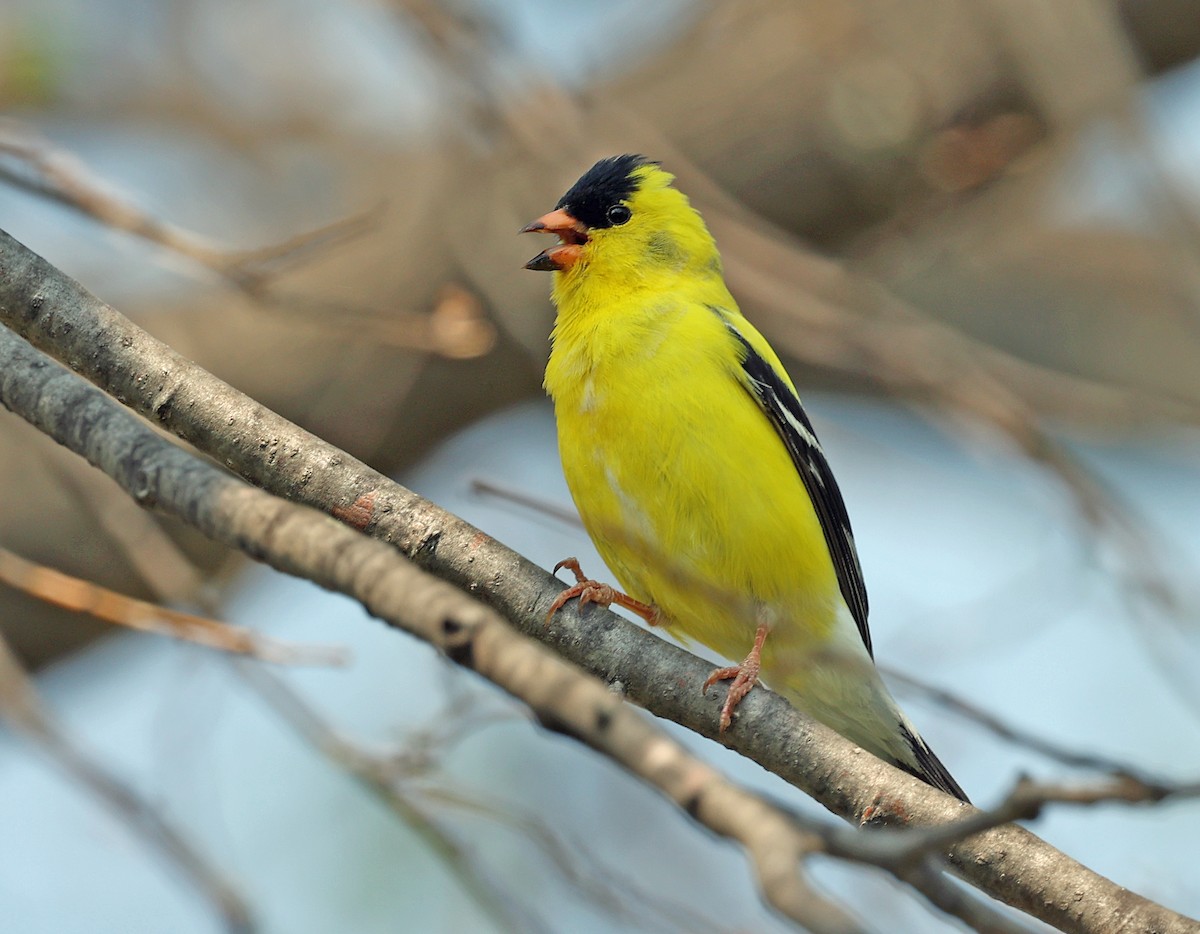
618 214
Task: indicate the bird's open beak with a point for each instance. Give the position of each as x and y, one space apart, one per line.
572 234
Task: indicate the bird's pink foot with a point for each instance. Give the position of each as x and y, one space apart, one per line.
744 677
590 591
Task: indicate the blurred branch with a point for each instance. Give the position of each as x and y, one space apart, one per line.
1055 50
58 315
1077 61
387 777
457 328
83 596
960 706
409 780
160 564
468 42
251 270
490 487
1163 32
927 877
23 711
53 173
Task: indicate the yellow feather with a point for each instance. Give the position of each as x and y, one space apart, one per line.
681 479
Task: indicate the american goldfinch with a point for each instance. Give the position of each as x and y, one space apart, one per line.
694 467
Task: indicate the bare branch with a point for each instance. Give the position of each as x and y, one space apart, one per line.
928 878
457 326
383 777
900 850
408 778
998 727
22 709
298 540
57 314
72 593
61 176
529 501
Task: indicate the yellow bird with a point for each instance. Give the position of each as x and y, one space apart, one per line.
694 467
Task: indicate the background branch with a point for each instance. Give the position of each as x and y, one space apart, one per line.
83 596
411 778
63 177
22 710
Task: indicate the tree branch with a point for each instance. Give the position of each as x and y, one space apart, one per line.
58 315
300 541
387 778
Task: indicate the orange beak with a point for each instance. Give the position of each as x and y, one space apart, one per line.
571 233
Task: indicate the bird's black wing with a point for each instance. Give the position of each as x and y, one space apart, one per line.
783 408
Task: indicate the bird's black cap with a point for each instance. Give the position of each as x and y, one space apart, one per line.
606 183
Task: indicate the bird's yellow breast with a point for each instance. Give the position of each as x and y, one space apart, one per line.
681 480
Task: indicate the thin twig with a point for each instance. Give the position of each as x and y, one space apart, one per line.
490 487
928 877
456 328
1075 758
409 777
382 775
22 709
60 176
898 849
82 596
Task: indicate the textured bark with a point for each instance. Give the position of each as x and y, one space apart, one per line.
297 540
57 315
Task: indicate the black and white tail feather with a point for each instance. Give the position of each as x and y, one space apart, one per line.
930 769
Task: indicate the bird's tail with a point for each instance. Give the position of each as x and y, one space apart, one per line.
850 697
929 767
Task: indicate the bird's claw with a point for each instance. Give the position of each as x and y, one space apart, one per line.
744 677
605 595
